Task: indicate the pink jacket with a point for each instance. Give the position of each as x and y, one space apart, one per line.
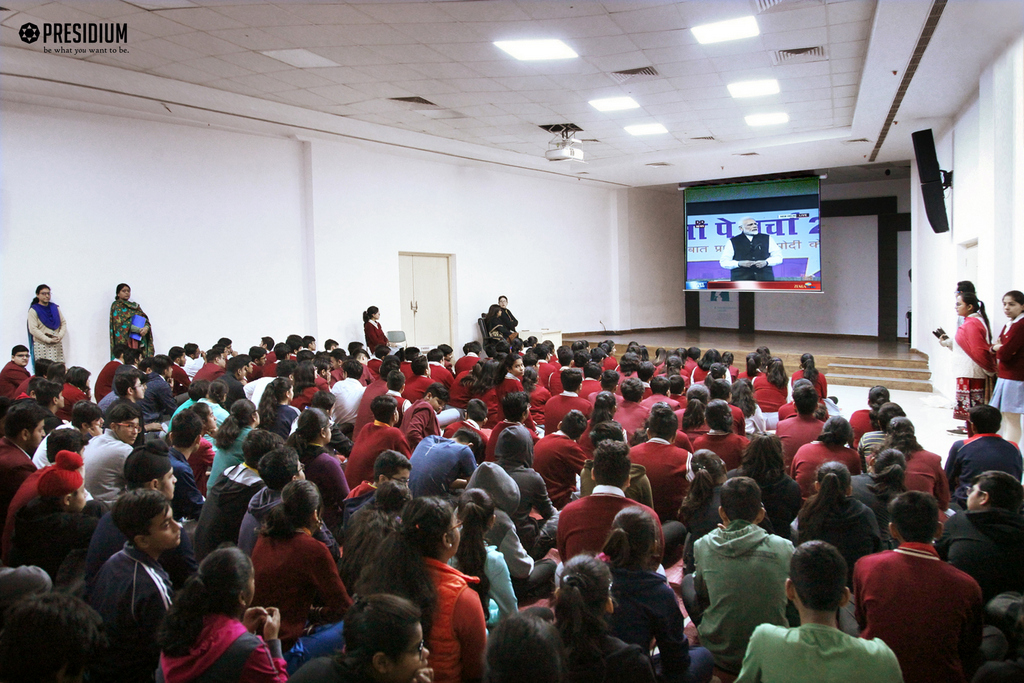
265 664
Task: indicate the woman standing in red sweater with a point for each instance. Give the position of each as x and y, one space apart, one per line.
1008 395
413 564
372 330
292 569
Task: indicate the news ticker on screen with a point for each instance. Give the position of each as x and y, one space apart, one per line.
777 286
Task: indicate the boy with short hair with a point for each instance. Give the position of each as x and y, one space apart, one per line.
927 611
817 651
744 570
132 592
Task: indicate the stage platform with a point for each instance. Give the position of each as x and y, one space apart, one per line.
849 361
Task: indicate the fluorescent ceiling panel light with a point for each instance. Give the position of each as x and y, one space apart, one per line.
767 119
303 59
732 29
754 88
646 129
532 50
614 104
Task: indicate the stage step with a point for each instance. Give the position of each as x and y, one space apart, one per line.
894 372
924 385
907 363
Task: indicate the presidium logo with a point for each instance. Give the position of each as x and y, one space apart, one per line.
111 35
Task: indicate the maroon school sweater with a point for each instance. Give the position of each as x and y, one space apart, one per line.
583 524
558 459
371 441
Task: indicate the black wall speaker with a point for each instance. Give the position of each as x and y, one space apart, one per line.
932 185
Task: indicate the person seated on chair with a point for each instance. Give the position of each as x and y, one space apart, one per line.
500 320
751 255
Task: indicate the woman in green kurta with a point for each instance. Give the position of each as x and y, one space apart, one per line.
122 328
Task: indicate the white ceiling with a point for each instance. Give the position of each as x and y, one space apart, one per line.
443 51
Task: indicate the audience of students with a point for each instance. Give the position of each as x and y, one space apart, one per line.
734 497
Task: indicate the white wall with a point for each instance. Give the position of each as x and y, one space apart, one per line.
223 233
204 225
848 303
985 149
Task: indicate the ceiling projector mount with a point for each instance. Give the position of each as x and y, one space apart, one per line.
564 146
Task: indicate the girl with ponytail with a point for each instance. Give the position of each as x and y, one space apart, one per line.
771 392
692 421
310 438
242 419
605 405
476 558
699 511
582 604
974 366
276 412
924 470
810 373
833 516
295 571
645 607
884 480
372 330
211 632
413 563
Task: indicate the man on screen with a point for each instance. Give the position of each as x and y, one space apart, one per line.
751 255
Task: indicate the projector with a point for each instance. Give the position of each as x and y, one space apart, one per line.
566 152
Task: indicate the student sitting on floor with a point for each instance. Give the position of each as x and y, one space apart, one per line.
646 609
831 445
927 611
721 438
817 651
742 571
833 515
559 458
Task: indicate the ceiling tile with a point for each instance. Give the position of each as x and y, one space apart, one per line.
797 70
471 52
843 33
789 40
59 12
430 34
845 65
255 62
218 67
848 78
478 84
657 18
804 82
757 60
845 91
583 81
303 98
794 19
135 59
312 36
107 10
253 39
302 78
339 93
231 86
170 51
698 79
427 86
857 48
620 62
446 70
484 11
498 69
391 72
382 90
260 15
528 83
153 24
846 12
675 53
180 72
200 18
329 13
598 26
204 44
404 12
264 83
352 55
559 10
410 53
654 40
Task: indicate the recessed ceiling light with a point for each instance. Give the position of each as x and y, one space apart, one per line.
754 88
614 104
646 129
304 59
537 49
767 119
732 29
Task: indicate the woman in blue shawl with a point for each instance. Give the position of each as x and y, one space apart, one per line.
129 325
46 327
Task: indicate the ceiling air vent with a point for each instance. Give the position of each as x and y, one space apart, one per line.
562 128
782 5
704 137
746 154
644 73
413 100
799 55
659 164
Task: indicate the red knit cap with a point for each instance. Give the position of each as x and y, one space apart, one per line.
62 477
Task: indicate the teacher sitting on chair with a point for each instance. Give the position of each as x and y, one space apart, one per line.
500 321
751 255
